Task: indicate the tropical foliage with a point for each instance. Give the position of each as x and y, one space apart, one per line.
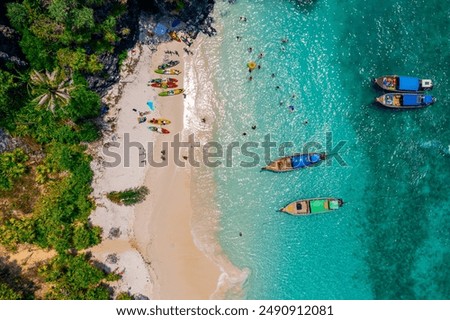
50 103
50 89
12 167
124 296
129 197
74 277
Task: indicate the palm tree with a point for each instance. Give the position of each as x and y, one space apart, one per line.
51 89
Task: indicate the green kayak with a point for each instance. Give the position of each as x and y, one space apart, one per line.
171 92
170 72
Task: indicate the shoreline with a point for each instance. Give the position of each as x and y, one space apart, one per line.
203 107
151 245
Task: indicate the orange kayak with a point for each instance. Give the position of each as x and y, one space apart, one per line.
164 85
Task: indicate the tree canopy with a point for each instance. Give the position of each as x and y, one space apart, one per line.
49 103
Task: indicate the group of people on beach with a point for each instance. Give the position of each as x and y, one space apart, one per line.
171 52
188 51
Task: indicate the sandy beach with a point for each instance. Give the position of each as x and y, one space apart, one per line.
150 244
163 222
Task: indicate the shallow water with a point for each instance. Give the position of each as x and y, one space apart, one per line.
391 239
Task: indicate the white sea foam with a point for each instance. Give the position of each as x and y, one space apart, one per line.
202 107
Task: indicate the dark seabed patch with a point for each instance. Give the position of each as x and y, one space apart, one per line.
406 222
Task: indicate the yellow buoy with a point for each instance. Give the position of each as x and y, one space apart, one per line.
251 65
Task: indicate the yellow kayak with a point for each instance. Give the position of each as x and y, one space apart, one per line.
160 121
171 72
173 35
171 92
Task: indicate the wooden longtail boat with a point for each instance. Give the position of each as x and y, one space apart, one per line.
312 206
403 84
405 100
294 162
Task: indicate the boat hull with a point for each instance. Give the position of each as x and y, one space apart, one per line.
160 121
312 206
170 64
171 72
284 164
392 83
171 93
398 100
164 85
159 130
160 80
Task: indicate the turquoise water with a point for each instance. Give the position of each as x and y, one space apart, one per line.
391 239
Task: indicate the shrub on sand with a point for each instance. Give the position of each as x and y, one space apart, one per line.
128 197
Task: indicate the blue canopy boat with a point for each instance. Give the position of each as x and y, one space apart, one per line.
297 161
405 100
404 84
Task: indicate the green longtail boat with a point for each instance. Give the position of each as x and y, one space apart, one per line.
312 206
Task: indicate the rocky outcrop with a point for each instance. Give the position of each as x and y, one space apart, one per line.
9 42
101 83
8 143
193 13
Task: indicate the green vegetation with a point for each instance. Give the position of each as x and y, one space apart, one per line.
124 296
129 197
122 56
12 167
180 5
45 201
76 278
50 89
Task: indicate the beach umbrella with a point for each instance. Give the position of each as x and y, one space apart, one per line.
160 29
104 110
175 23
150 105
